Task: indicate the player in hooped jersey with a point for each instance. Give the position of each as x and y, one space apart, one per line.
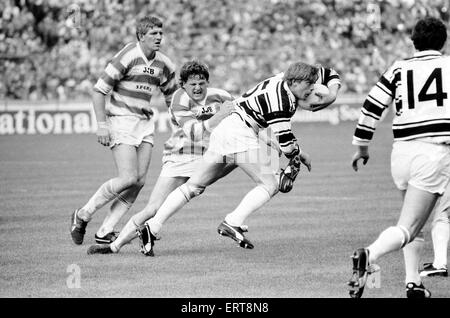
125 124
420 161
195 110
235 140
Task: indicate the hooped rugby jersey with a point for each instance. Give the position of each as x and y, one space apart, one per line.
133 79
419 88
190 136
272 104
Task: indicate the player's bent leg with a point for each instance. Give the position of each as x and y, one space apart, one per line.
121 205
174 202
81 217
416 209
162 188
125 158
227 169
195 186
267 186
128 196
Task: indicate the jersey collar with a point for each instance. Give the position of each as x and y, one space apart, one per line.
427 52
141 51
290 94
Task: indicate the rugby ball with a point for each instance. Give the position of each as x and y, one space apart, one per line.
315 98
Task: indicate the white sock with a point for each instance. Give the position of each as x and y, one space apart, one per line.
412 253
174 201
440 234
255 199
119 208
391 239
103 195
127 234
114 247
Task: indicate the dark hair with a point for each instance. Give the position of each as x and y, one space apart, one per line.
301 72
194 67
146 23
429 34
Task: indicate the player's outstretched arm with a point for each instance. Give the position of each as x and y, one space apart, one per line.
361 153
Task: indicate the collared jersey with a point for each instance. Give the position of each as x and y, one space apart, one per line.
419 88
133 79
190 136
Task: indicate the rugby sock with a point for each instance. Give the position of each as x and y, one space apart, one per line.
412 253
391 239
255 199
119 208
174 201
103 195
440 234
127 234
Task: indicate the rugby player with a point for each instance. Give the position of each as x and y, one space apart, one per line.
195 110
420 159
126 125
271 103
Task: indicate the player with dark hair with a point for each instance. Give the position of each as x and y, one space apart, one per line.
126 124
195 110
271 103
420 160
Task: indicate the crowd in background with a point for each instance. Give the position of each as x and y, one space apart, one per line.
56 49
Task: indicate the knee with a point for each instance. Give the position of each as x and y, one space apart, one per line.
271 186
191 190
129 180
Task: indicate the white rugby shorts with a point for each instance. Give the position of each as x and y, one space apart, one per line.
232 136
131 130
423 165
173 169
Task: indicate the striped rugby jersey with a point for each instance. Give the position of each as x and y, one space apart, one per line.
419 88
190 136
271 103
133 79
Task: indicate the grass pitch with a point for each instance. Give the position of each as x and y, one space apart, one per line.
303 239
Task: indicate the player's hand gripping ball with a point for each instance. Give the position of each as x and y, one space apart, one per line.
315 98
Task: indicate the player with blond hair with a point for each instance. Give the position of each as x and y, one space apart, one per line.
271 103
126 125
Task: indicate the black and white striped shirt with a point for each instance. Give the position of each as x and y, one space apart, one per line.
271 103
419 87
